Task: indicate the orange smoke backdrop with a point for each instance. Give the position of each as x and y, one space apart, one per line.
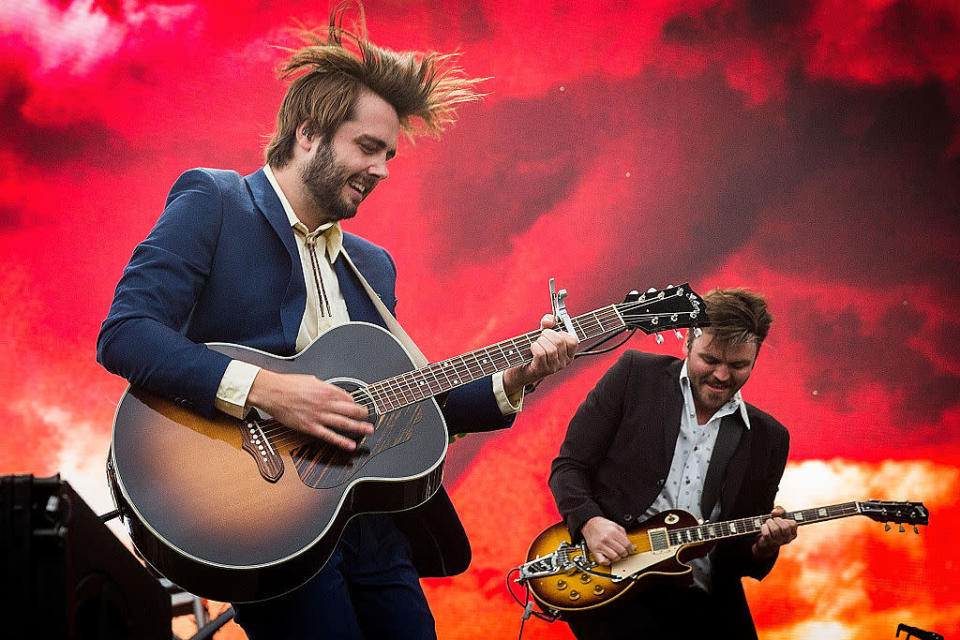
808 150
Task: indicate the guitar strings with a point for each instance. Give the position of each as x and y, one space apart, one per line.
407 388
741 526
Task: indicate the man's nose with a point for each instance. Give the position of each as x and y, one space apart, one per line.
721 372
379 169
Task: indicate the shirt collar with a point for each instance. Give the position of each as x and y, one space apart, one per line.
735 403
330 231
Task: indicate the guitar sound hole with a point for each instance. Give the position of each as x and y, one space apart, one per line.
350 385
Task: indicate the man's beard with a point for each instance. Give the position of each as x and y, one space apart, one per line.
710 402
324 180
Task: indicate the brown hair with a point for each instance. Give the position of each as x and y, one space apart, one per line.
737 316
329 77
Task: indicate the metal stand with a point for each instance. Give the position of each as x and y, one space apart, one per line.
185 604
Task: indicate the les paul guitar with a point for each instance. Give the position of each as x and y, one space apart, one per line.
564 578
239 511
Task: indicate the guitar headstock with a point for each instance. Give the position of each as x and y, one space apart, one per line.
901 513
674 307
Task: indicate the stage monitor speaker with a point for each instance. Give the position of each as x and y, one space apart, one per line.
65 575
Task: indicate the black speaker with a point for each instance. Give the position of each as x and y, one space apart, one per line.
65 575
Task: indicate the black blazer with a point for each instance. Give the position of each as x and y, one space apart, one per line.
616 457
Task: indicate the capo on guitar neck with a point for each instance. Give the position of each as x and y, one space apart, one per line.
560 307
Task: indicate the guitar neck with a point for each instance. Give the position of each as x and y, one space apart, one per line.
440 377
747 526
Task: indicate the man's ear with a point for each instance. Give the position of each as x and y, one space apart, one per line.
305 135
685 347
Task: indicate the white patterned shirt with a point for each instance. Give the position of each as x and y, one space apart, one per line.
688 469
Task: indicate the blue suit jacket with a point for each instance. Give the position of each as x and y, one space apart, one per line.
221 265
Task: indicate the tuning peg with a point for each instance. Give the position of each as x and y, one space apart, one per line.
697 332
902 529
677 333
886 527
659 338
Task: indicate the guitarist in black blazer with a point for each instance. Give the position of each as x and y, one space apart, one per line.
659 433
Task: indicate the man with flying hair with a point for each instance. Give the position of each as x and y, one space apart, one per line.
261 260
659 433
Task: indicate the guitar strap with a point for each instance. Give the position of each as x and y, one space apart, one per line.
392 325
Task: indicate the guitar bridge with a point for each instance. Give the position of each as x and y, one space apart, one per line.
548 565
256 443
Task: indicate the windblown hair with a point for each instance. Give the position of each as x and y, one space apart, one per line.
329 78
737 316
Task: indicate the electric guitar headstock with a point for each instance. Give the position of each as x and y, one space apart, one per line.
675 307
912 513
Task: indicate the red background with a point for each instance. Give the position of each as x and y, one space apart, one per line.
808 150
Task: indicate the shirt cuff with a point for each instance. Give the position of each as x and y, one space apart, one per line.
509 405
234 388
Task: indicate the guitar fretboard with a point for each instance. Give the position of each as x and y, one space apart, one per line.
663 538
440 377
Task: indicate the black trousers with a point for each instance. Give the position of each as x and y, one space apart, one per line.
656 612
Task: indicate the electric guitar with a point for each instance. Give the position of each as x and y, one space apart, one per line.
245 510
564 578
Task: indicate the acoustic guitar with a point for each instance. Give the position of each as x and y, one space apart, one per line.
564 577
245 510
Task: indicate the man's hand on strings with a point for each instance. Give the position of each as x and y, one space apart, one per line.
606 540
309 405
774 533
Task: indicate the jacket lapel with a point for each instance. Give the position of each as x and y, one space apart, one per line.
358 302
729 484
731 430
295 297
671 408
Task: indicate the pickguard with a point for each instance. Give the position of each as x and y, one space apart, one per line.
323 466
